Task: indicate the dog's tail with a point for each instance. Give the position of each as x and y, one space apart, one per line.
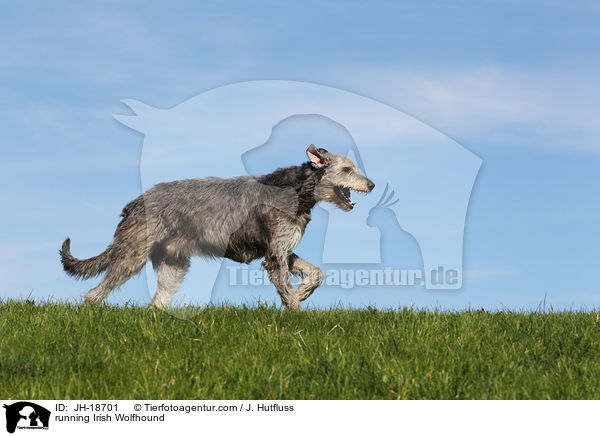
84 268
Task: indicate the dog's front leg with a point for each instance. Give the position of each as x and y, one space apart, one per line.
279 274
312 276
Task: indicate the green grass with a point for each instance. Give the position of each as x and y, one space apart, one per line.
62 351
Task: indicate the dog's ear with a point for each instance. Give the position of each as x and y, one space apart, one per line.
317 156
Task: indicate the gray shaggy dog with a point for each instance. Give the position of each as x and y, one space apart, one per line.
242 218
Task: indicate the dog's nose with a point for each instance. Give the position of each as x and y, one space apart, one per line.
371 186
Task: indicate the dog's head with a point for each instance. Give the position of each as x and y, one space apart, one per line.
339 177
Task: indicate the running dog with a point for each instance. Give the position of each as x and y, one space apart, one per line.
241 218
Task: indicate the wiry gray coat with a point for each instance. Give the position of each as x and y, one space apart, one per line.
242 218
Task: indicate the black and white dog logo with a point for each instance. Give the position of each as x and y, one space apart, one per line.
26 415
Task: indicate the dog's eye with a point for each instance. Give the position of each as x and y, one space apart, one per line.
347 169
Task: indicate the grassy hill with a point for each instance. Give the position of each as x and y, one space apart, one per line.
54 351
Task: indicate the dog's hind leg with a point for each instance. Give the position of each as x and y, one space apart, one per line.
170 271
312 276
119 271
128 256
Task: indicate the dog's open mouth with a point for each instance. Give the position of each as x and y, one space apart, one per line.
343 195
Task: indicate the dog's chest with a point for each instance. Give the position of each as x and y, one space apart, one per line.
287 235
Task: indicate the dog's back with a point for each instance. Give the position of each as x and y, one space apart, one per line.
199 216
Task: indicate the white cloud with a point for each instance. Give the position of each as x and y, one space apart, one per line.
60 135
495 105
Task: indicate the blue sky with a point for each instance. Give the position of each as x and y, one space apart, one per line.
514 82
